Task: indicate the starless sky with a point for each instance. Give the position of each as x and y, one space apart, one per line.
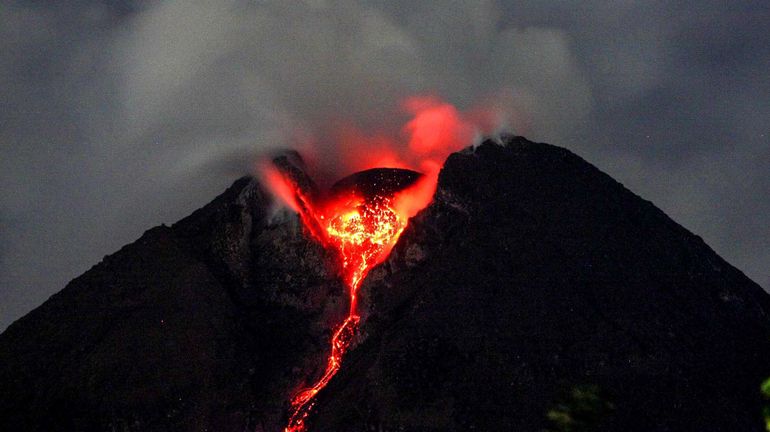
117 115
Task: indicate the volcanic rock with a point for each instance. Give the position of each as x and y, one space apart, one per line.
534 292
376 182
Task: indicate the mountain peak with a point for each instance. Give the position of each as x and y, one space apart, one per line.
531 276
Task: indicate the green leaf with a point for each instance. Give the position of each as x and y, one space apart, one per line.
766 388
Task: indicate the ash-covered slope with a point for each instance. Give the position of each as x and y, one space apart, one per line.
531 274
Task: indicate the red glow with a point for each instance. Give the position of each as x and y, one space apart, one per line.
280 186
363 230
303 402
436 126
363 151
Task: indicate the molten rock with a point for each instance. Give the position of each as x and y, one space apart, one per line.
361 222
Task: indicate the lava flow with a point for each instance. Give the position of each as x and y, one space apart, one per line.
361 221
365 213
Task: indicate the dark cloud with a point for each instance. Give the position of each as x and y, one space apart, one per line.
116 116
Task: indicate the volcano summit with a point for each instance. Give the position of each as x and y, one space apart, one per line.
532 293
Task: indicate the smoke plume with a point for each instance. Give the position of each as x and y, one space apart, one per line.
121 115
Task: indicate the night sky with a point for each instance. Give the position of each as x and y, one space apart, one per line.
116 116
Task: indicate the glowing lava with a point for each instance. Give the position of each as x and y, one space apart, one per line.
362 224
303 402
367 212
361 235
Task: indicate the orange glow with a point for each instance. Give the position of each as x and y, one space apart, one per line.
280 186
436 126
363 151
303 402
363 230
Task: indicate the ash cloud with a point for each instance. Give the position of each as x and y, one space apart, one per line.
116 116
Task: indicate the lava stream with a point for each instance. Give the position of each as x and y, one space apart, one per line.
369 210
362 231
303 402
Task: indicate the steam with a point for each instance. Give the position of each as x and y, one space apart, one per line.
198 90
227 79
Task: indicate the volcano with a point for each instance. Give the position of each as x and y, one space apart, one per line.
533 293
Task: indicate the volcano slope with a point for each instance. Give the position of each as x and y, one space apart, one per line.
531 281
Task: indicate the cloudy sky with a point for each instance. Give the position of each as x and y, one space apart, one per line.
116 116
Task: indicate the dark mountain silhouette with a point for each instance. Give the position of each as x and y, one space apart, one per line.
534 292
